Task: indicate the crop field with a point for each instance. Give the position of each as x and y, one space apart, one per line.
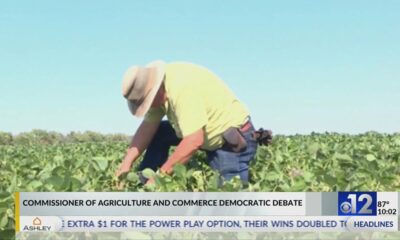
316 162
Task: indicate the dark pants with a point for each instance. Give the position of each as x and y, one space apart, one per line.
228 163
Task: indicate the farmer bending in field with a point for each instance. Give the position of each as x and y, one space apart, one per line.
202 113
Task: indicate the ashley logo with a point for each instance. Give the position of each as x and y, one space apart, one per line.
36 226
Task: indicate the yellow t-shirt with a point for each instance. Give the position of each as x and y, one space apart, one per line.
197 99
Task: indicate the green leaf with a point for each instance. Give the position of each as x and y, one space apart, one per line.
58 171
397 141
7 234
56 182
75 184
370 157
3 221
132 177
278 156
330 180
198 176
35 184
213 182
299 185
343 157
285 187
273 176
313 148
102 163
148 173
180 171
58 158
4 195
308 177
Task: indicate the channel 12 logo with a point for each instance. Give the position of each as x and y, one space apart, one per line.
357 204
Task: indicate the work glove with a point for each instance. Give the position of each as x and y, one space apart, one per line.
263 137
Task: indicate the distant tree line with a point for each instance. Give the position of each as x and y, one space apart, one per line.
38 136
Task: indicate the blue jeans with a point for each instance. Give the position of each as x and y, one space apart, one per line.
228 163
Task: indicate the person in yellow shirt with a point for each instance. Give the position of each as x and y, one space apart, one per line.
202 114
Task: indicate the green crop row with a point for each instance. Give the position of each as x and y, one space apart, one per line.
316 162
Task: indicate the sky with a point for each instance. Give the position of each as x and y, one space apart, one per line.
299 66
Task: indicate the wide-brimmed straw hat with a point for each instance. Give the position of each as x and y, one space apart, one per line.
140 86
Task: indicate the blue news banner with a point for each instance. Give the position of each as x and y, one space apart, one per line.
207 212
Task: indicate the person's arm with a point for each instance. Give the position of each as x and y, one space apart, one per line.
186 148
140 142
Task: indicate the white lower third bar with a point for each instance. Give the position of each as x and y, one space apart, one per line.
208 223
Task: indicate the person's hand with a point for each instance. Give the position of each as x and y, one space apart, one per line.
124 167
120 185
150 181
166 170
